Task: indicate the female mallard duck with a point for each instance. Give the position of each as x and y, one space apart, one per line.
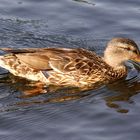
71 67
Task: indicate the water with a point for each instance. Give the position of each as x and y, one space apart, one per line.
107 113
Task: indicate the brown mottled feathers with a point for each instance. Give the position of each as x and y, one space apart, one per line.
74 67
59 59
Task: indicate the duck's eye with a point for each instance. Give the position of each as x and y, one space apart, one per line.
128 49
134 51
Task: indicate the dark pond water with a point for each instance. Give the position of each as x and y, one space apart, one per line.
108 113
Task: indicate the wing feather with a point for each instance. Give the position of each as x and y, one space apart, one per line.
58 59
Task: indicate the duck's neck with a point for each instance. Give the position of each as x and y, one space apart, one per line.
114 63
118 67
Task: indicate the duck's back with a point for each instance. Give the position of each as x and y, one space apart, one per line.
59 66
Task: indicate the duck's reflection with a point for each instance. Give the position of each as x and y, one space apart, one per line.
123 92
116 94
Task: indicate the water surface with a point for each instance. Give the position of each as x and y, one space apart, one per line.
109 112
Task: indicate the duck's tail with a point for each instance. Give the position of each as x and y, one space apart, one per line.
6 60
2 62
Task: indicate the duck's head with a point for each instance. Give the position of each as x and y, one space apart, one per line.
120 50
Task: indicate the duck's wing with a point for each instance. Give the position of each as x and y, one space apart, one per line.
58 59
30 57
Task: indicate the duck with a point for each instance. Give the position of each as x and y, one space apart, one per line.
76 67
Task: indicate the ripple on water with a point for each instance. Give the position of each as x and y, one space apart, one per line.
109 112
